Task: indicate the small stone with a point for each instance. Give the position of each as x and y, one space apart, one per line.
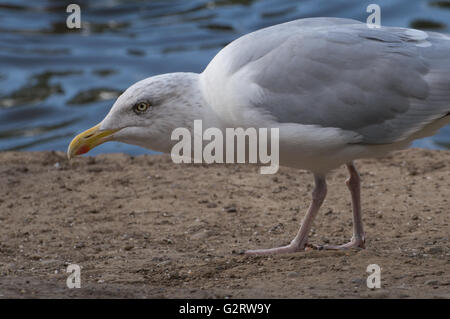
230 209
432 282
277 229
358 281
293 274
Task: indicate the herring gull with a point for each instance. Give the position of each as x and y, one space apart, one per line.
336 89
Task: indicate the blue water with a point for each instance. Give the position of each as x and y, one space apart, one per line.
55 82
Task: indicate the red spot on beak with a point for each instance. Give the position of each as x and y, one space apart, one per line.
83 149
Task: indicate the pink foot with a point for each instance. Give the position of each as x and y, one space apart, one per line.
354 243
279 250
299 243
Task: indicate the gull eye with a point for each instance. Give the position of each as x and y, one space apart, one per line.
141 107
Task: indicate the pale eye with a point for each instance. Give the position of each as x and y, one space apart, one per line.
141 107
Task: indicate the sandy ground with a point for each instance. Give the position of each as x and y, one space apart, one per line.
143 227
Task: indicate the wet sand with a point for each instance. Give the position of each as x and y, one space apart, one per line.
145 227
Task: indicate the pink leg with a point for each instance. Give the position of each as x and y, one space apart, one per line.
354 185
301 239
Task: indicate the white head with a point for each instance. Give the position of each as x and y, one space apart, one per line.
146 114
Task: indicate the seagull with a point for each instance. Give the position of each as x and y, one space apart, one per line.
337 89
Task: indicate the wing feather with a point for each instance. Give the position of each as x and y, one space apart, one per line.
385 84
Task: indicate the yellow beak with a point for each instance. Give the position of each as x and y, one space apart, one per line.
87 140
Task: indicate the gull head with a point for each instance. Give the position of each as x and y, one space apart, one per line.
146 114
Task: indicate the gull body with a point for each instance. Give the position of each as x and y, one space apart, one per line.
336 89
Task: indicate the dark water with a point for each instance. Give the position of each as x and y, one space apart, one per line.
55 82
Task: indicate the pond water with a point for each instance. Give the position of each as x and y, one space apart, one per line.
56 82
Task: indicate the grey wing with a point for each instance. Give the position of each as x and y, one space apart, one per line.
384 84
